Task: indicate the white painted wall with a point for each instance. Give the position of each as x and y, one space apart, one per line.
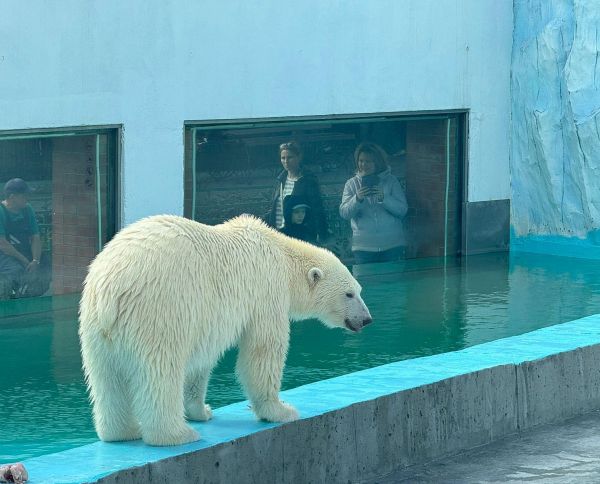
151 64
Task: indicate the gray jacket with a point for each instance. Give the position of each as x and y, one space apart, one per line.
375 226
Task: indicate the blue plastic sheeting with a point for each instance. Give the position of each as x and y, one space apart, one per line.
588 248
91 462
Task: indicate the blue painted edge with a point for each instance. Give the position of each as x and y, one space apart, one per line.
582 248
93 461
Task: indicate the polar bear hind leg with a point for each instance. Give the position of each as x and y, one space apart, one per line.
158 403
113 414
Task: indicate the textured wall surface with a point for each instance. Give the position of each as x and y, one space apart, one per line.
555 153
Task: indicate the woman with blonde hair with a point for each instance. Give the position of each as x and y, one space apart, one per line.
375 204
295 180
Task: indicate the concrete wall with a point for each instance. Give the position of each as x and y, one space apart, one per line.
151 65
366 424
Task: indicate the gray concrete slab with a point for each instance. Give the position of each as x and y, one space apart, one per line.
568 452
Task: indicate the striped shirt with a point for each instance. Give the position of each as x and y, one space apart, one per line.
284 190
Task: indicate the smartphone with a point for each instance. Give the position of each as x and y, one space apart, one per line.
370 181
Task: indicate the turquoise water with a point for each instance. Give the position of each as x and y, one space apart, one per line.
422 311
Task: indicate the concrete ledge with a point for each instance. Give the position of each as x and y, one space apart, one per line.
366 424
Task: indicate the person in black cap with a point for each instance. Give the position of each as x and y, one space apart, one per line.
20 244
296 180
297 219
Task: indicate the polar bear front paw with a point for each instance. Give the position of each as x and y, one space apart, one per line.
277 412
200 412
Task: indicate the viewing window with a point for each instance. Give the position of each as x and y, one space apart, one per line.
371 189
61 195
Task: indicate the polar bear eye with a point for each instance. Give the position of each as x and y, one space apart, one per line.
349 294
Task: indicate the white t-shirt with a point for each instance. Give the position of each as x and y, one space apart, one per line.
285 189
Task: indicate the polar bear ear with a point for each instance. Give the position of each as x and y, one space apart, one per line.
314 275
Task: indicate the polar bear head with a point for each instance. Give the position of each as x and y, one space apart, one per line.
334 296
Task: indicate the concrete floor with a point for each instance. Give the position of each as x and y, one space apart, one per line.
564 453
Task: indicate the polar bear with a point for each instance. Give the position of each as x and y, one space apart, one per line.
168 296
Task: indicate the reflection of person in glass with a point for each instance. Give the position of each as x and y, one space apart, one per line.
297 215
296 180
375 203
20 244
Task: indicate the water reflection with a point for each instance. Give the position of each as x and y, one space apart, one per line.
44 403
551 289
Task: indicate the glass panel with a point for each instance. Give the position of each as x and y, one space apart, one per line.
410 177
65 200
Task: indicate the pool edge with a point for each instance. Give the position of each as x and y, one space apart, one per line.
370 422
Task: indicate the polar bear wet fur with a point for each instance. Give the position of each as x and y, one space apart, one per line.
168 296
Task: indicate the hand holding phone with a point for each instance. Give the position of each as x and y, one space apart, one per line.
377 192
370 181
362 193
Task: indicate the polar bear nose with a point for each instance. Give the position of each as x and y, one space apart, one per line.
367 321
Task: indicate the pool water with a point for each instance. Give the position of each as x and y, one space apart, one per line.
423 310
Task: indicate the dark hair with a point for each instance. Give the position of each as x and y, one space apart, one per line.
292 146
379 155
16 186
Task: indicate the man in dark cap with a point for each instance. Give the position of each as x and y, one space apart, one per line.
20 244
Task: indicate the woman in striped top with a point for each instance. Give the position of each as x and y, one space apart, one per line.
296 180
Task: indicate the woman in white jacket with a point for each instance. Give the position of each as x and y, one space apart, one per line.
375 204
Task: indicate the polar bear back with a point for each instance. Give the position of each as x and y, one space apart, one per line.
174 273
